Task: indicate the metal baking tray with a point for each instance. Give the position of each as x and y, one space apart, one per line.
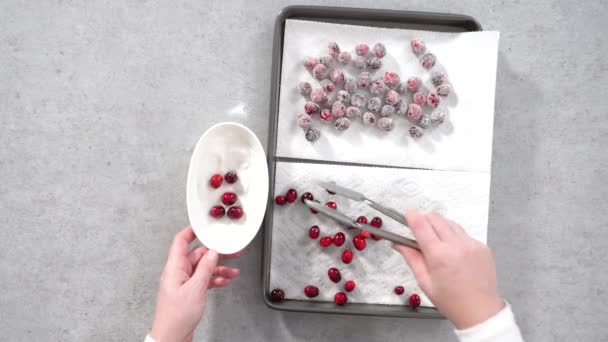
442 22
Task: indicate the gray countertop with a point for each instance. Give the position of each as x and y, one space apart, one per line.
101 105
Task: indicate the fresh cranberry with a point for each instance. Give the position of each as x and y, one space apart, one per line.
339 239
377 223
307 196
277 295
314 211
340 298
235 212
280 200
347 256
229 198
216 180
332 205
314 231
231 177
349 285
399 290
365 233
217 211
330 192
362 219
334 274
359 242
325 241
414 301
291 195
311 291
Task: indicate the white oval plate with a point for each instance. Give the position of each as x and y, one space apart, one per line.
222 148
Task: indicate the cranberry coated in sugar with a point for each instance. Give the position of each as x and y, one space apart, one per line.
319 71
311 108
304 88
216 180
343 95
369 118
425 121
391 78
418 47
360 62
327 61
379 50
338 109
374 62
438 77
437 117
344 57
386 124
364 80
311 62
392 97
352 112
328 86
303 120
433 100
357 100
342 124
334 275
362 49
312 134
401 107
414 112
325 115
318 95
387 110
416 132
334 49
377 86
374 104
413 83
419 98
444 90
350 84
428 60
336 76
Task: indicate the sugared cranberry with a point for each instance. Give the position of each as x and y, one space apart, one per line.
231 177
414 301
229 198
235 212
433 100
291 195
339 239
391 79
311 291
314 232
362 219
428 60
280 200
362 49
347 256
325 241
332 205
334 275
349 285
307 196
399 290
277 295
418 46
216 180
419 98
340 298
217 211
359 242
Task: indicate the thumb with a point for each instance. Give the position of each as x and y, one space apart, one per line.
415 261
204 270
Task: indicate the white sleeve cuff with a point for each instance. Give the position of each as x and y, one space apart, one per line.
149 339
499 328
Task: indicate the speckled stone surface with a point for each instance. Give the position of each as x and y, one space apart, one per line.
101 105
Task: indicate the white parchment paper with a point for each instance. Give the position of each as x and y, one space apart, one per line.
298 261
464 143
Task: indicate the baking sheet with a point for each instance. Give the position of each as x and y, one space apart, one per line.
297 261
464 143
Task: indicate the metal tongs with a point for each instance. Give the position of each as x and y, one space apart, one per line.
359 197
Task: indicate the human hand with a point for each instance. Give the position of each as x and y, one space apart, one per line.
455 271
183 288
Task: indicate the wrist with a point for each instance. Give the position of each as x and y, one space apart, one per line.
478 312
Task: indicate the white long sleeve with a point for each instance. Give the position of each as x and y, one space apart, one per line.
499 328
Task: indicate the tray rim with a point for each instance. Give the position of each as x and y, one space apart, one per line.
466 22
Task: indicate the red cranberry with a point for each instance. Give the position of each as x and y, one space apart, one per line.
314 231
330 192
334 274
414 301
340 298
347 256
311 291
349 286
339 239
362 219
314 211
229 198
231 177
280 200
217 211
277 295
399 290
325 241
235 212
216 180
359 242
291 196
377 223
307 196
332 205
365 233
